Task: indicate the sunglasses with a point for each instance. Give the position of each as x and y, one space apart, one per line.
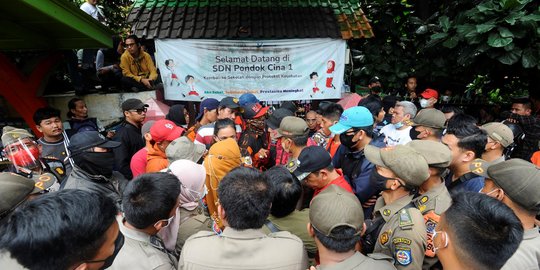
139 111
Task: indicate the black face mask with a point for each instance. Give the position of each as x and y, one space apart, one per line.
377 181
96 163
347 140
118 243
414 134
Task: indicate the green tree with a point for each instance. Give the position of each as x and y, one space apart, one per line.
115 12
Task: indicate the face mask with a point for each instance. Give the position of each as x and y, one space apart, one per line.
424 103
118 243
169 221
398 125
445 98
347 140
27 157
377 181
96 163
414 134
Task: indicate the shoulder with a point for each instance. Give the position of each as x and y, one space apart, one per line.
381 261
285 237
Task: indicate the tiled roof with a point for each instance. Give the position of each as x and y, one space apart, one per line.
244 19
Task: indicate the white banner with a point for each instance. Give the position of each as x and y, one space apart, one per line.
291 69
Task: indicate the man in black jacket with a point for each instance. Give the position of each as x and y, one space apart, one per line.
130 135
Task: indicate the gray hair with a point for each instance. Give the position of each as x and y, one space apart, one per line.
408 108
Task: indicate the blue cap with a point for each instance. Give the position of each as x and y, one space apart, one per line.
358 116
208 104
247 98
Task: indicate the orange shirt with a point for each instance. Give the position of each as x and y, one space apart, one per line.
535 159
340 181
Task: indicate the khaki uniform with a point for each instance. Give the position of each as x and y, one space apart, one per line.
295 223
403 236
7 262
527 255
191 222
142 251
246 249
361 262
432 204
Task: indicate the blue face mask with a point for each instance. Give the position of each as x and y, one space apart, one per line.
398 125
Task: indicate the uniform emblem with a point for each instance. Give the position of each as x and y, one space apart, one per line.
59 171
405 218
387 212
384 238
424 199
401 240
403 256
235 100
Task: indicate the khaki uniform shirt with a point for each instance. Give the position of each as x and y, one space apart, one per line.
403 236
527 256
295 223
361 262
7 262
246 249
191 222
432 204
141 251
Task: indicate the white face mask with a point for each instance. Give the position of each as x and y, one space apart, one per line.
424 103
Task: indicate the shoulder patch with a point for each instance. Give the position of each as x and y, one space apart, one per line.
384 238
405 220
403 256
401 240
387 212
424 199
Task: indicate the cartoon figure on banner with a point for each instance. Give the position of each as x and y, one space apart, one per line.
169 63
314 77
331 66
190 81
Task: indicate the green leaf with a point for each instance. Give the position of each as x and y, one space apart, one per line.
484 28
486 6
509 47
451 42
494 40
530 18
510 58
445 23
466 30
508 4
505 33
513 16
529 59
439 36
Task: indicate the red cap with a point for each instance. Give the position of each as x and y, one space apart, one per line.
165 130
430 93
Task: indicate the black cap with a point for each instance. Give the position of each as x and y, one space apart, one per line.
374 80
133 104
311 159
289 105
275 118
229 102
88 139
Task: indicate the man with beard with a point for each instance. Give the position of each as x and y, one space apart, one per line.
93 170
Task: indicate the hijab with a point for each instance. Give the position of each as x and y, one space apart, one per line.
176 114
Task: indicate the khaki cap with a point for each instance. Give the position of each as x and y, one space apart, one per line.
499 132
519 179
335 207
436 154
11 135
430 117
404 161
292 126
14 189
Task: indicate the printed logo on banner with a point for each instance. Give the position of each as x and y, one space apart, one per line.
273 70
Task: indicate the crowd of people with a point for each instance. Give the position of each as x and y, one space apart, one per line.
383 185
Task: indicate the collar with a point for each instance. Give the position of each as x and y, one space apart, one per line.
388 211
531 233
130 233
243 234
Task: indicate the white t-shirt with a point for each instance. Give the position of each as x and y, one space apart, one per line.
394 136
92 11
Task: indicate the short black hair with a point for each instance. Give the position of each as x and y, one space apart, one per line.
246 197
496 235
287 191
471 137
332 111
59 229
223 123
313 74
344 239
135 39
72 105
450 108
168 61
373 104
45 113
300 140
389 102
189 77
150 198
525 101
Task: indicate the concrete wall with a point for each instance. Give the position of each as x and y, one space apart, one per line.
105 107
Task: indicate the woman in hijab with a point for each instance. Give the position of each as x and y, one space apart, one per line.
190 217
179 115
222 157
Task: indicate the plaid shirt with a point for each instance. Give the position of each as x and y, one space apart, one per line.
531 129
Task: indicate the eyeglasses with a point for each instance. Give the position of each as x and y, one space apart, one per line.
311 120
139 111
129 45
444 235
